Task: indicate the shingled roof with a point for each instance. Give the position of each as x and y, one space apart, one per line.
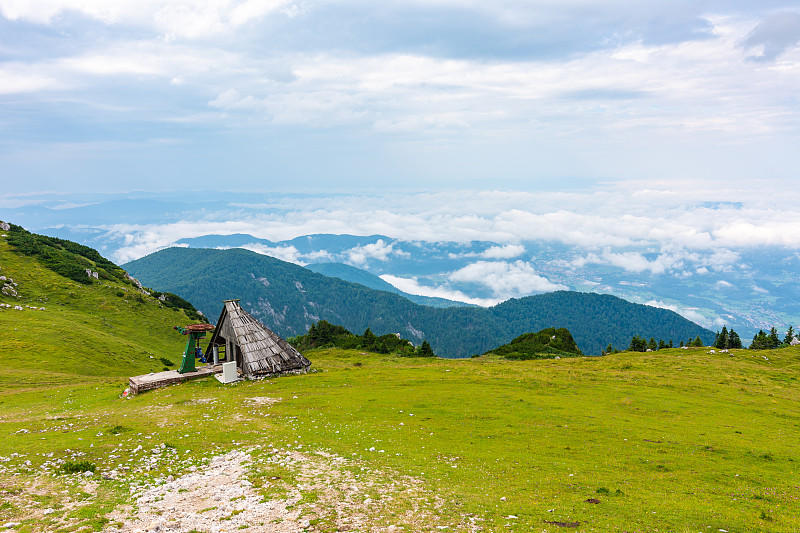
258 351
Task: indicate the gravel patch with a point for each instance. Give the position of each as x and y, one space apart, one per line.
327 493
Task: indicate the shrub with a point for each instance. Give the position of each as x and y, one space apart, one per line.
77 467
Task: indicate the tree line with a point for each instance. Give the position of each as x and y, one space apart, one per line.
323 334
724 340
767 341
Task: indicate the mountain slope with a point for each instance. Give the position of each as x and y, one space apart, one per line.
56 328
289 298
367 279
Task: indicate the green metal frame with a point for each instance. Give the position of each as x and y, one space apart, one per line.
189 353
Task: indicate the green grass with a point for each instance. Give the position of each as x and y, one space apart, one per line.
677 440
84 330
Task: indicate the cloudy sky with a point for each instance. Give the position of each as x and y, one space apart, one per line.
354 95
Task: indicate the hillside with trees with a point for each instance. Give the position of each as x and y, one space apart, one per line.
323 334
546 344
289 299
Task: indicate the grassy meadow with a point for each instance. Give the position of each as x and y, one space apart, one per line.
678 440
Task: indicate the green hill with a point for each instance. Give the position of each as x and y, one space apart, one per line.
66 323
289 298
545 344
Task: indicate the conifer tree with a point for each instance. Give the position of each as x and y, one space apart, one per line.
789 336
638 344
774 341
722 341
425 350
734 342
369 339
760 341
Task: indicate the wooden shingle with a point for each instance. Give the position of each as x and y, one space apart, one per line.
263 352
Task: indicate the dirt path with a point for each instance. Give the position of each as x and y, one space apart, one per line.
325 493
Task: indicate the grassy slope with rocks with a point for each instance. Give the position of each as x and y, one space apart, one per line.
68 329
678 440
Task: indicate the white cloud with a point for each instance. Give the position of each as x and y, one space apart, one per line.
506 280
603 225
669 260
186 19
508 251
284 253
412 286
722 284
689 313
319 256
379 250
231 99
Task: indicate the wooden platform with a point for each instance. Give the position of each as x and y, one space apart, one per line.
156 380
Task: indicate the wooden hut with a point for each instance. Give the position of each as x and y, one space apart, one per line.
257 350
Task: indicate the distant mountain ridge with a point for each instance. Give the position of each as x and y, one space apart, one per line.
289 298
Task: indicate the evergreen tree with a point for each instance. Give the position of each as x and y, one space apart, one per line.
697 342
671 344
651 345
638 344
789 336
760 341
425 350
662 344
734 341
368 339
722 341
681 345
774 341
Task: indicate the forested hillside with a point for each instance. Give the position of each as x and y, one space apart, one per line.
289 298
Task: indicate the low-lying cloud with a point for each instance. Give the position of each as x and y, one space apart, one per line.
379 251
506 280
689 313
413 286
611 228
